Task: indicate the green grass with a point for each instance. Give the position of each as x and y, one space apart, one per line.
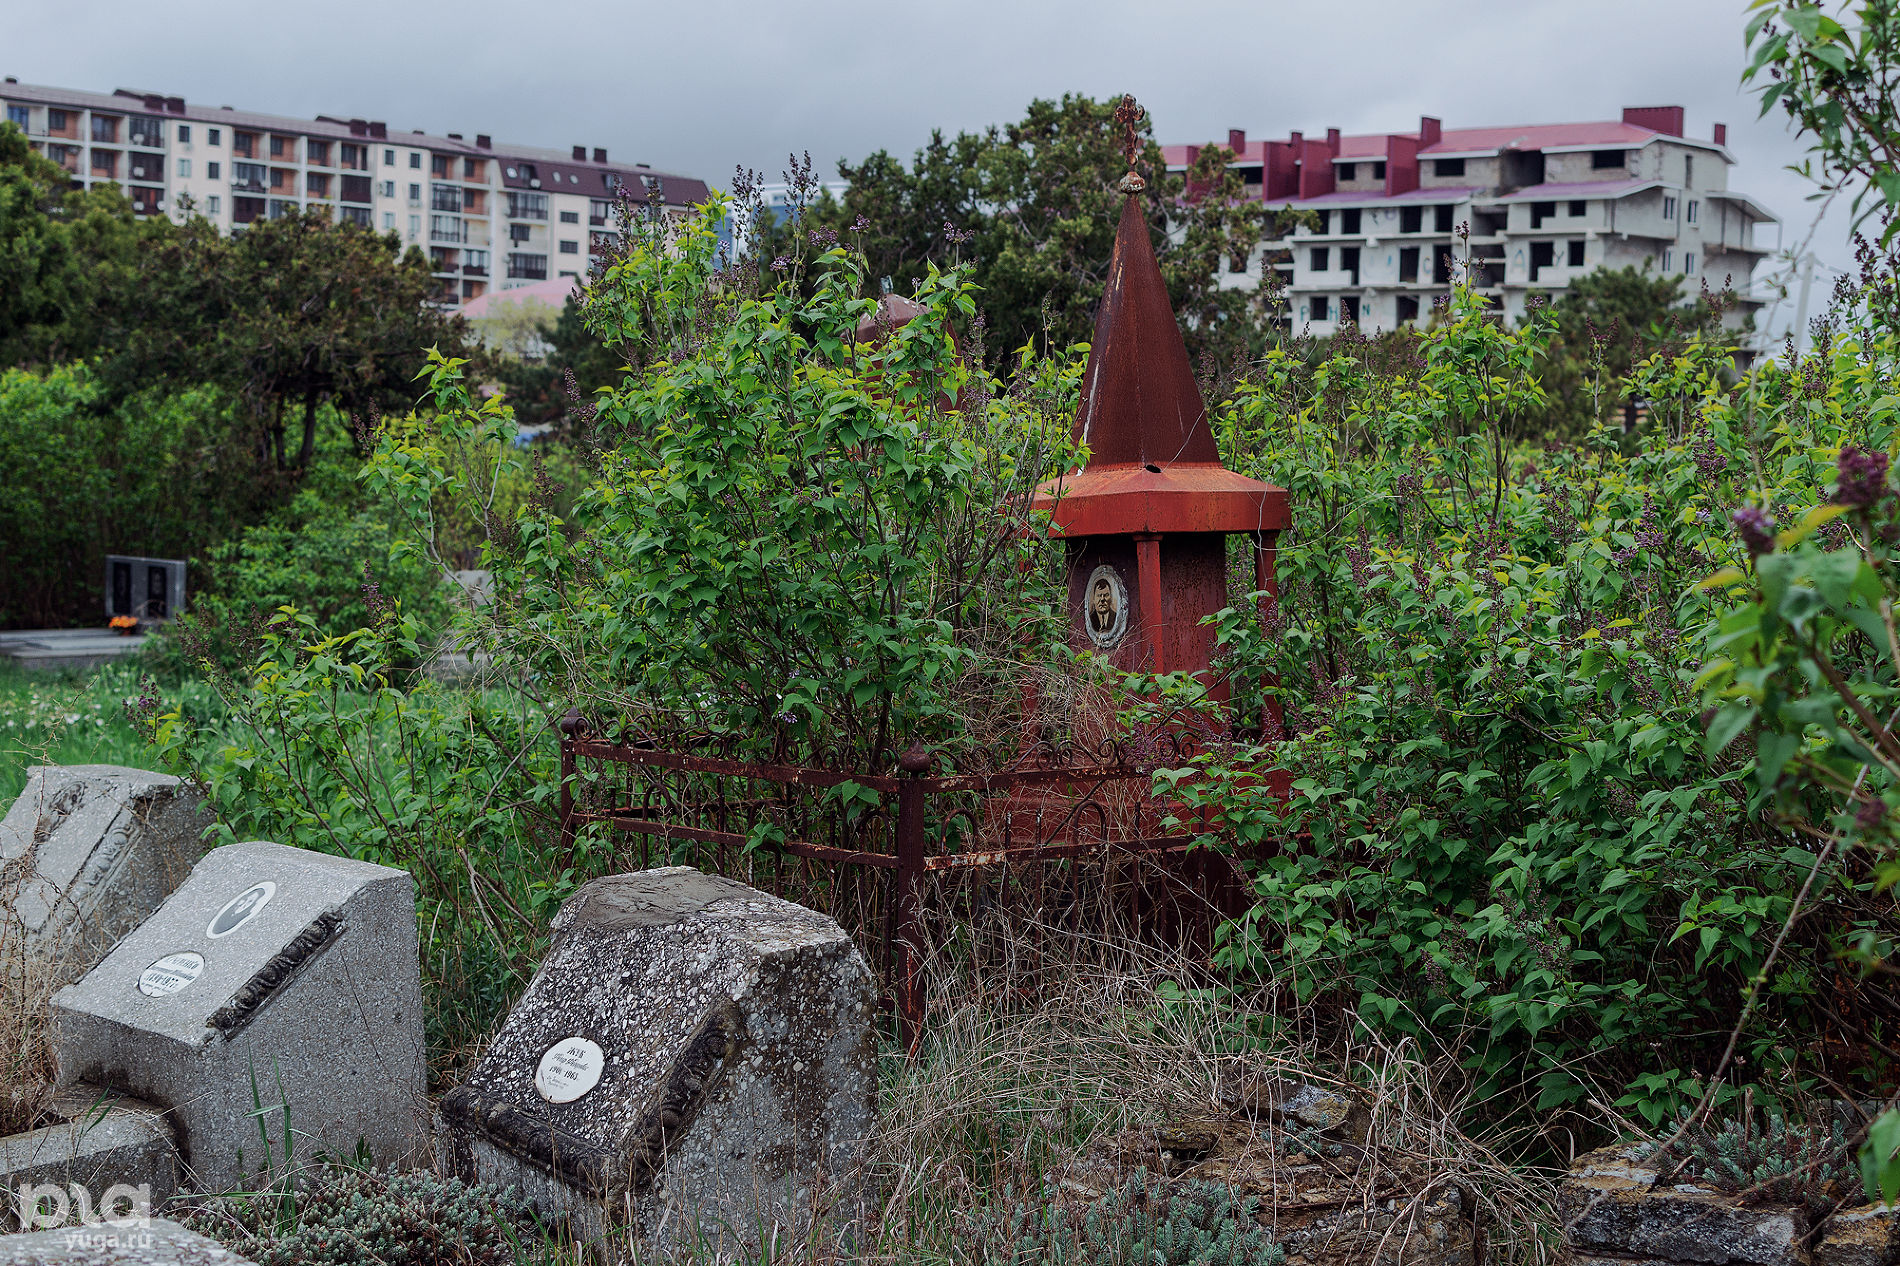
67 718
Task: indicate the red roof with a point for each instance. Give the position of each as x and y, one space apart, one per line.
1606 134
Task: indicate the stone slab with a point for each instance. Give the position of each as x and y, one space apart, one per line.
272 976
1612 1206
693 1060
107 845
103 1141
50 650
134 1242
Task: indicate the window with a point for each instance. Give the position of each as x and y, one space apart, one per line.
353 215
389 221
212 204
214 136
244 144
1407 308
1669 260
211 170
389 158
528 267
1669 207
415 195
475 263
1605 159
19 116
443 258
1689 212
1349 220
1411 219
445 198
1349 171
1541 211
317 184
1349 309
415 226
439 166
354 157
1349 262
317 153
278 144
445 228
146 131
415 160
389 189
1448 167
147 167
1543 255
599 211
56 120
184 133
105 162
1576 252
570 248
1441 218
184 169
1688 171
105 129
1575 209
1325 222
527 206
1321 259
1688 261
519 233
282 207
1408 263
1322 308
1378 171
570 217
244 210
471 169
355 189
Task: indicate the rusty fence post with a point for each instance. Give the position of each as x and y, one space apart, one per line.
907 925
571 725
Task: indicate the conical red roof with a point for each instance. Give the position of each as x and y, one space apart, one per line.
1140 404
1153 465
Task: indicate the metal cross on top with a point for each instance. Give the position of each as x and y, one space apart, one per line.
1128 117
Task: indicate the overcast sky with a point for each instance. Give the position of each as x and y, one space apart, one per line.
698 87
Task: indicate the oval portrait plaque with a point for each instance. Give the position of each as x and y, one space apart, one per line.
241 909
570 1068
171 973
1105 607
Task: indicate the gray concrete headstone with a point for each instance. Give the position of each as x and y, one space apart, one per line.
273 975
103 1147
694 1059
132 1242
106 845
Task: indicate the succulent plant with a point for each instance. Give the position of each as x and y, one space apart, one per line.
1776 1162
1141 1223
342 1215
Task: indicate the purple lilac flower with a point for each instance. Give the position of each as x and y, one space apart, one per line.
1755 528
1863 477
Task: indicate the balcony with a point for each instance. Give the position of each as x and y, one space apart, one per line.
475 270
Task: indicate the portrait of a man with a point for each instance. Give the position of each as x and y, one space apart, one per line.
1105 607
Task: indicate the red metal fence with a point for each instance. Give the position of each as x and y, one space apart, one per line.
884 854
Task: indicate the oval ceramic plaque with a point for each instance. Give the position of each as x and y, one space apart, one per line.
570 1068
170 974
241 909
1105 607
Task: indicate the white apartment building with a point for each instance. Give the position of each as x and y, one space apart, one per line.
1543 203
488 215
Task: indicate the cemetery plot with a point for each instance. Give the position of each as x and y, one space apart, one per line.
272 975
694 1058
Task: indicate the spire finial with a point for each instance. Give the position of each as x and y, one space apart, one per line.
1128 117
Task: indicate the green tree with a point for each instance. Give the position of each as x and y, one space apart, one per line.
561 384
289 315
1033 206
68 257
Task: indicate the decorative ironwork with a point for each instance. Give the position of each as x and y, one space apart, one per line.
883 853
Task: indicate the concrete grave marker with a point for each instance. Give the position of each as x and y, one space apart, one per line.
127 1242
107 844
694 1059
269 965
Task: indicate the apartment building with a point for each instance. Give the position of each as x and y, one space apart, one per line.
489 215
1543 204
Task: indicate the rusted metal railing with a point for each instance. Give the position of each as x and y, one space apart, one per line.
868 848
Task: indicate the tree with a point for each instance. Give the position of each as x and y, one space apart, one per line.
289 314
67 258
1034 205
576 365
1607 322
